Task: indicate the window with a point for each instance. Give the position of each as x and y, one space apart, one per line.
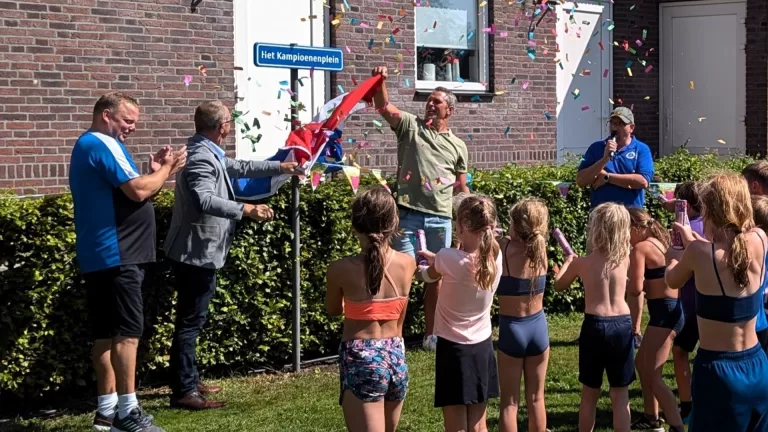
451 46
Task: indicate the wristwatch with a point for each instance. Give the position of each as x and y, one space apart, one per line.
607 177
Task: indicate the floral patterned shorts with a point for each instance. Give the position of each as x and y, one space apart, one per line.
373 369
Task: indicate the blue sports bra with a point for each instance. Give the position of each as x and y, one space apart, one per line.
731 309
514 286
658 272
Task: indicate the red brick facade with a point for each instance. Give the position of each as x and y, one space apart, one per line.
531 138
58 56
633 90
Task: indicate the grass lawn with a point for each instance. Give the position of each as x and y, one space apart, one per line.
308 401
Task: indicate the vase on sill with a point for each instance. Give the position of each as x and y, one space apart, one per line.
456 71
445 73
428 71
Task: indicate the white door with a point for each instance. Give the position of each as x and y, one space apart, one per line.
703 62
584 75
296 21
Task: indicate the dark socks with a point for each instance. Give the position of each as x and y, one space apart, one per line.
685 409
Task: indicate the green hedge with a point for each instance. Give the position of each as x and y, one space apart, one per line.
44 336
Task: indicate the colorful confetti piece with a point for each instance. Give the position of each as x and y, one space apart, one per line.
605 73
187 80
721 141
649 68
585 108
692 85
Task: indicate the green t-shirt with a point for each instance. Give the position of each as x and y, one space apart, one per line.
424 155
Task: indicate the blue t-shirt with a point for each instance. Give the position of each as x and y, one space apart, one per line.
111 229
634 158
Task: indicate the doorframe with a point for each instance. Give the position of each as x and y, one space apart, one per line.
605 106
663 150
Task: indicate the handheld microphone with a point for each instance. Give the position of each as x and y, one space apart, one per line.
612 138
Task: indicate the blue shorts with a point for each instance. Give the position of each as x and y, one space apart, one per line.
523 336
606 344
437 230
373 369
666 313
730 391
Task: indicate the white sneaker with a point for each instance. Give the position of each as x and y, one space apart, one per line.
430 343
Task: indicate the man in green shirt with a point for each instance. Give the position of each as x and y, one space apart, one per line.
431 167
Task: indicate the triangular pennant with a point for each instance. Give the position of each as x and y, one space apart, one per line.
564 188
353 175
316 176
377 173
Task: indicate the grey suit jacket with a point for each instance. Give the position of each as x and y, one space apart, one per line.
205 212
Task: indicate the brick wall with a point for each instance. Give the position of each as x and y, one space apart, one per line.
633 90
486 121
58 56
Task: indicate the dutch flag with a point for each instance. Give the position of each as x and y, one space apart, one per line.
306 144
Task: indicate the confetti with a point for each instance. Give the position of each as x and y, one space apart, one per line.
407 83
379 25
364 25
628 64
256 123
575 93
341 89
475 98
266 113
605 73
506 132
701 119
284 83
639 43
629 71
377 123
469 136
721 141
348 50
631 7
600 44
586 72
499 93
547 115
649 68
525 85
407 176
203 70
611 101
692 85
513 80
427 186
647 98
483 3
611 27
469 36
645 33
585 108
187 80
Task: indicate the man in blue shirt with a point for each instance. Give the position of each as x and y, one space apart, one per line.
115 241
620 168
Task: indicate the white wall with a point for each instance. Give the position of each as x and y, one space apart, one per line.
257 87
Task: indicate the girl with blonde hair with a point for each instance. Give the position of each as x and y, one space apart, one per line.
606 343
523 333
465 365
730 389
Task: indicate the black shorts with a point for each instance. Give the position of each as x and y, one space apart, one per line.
115 305
689 335
465 374
606 344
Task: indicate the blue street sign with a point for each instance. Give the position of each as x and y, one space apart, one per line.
298 57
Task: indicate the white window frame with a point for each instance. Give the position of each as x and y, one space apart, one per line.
483 54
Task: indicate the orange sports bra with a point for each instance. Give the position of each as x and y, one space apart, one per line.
377 309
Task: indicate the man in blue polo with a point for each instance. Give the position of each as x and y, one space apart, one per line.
115 243
620 168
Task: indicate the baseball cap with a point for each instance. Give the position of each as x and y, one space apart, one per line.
625 114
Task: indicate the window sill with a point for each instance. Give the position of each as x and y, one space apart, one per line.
464 95
454 86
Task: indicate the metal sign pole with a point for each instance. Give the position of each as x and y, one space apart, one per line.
295 57
296 235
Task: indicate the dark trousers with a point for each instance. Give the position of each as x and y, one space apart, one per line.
195 287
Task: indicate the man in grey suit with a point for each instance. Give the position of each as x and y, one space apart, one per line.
204 217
